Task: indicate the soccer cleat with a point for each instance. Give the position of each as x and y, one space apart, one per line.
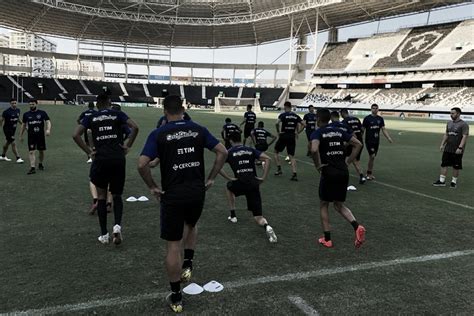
104 239
369 177
327 244
186 275
287 158
453 185
176 307
359 236
32 171
93 208
40 167
439 184
117 235
19 160
272 237
362 180
232 219
4 158
278 173
294 178
89 160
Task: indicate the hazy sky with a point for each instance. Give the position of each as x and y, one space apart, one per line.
269 52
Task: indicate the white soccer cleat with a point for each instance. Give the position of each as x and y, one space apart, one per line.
117 235
19 160
232 219
104 239
90 160
272 237
5 158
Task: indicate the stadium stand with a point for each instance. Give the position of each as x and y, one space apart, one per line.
334 55
194 95
5 89
467 58
41 88
135 90
73 88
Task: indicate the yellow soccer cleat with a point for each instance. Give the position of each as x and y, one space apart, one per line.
186 275
176 307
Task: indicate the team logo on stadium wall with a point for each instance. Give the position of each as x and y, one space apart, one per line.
417 44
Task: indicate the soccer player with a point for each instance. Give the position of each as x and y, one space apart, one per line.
453 146
327 148
335 122
179 146
288 127
163 120
356 127
228 129
108 165
242 159
249 122
371 127
259 137
309 123
90 110
34 121
10 118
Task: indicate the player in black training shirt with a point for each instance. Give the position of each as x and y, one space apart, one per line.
228 129
309 123
179 147
163 120
371 127
34 121
249 122
242 160
90 110
10 119
108 165
288 127
356 127
327 147
260 136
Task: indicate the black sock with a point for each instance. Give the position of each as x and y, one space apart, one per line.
3 155
40 164
279 168
118 209
232 213
17 157
355 224
188 258
176 291
94 201
327 236
102 212
361 175
32 168
369 172
265 226
294 174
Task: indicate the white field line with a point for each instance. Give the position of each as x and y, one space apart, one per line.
244 283
407 190
303 306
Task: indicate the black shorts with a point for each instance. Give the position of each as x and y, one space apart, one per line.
261 147
372 148
287 141
9 136
251 190
174 214
333 185
227 144
451 160
349 151
308 134
36 142
108 174
248 128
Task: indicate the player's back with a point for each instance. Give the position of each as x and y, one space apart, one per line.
230 128
242 161
250 117
289 122
331 147
261 135
354 123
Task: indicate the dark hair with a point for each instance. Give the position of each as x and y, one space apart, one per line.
335 114
458 110
344 111
33 101
173 105
261 124
375 104
91 105
287 104
228 120
12 100
249 106
310 106
324 115
103 100
235 137
116 107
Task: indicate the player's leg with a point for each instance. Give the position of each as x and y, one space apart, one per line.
324 215
5 148
254 204
173 269
279 147
231 187
102 214
291 149
191 218
348 216
93 191
117 183
370 167
41 159
32 158
446 161
457 166
15 152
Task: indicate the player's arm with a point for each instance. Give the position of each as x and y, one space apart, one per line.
77 136
277 125
299 127
273 137
356 148
48 127
443 141
1 120
134 132
252 135
22 131
223 133
315 153
145 172
462 144
226 176
386 134
266 166
221 157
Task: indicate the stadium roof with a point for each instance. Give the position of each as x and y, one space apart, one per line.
199 23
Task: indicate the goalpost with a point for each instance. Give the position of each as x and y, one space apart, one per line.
85 98
224 104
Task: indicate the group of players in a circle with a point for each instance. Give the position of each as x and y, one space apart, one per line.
177 147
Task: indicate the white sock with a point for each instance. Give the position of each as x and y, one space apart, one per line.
454 180
442 178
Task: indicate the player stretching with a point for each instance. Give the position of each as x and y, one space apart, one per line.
260 136
327 148
228 129
242 159
309 122
371 126
179 148
10 118
108 165
249 122
356 127
34 121
288 127
453 145
90 110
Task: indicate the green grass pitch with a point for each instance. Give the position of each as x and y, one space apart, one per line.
51 261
